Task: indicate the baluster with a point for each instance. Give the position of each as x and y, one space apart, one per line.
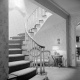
30 20
44 12
41 12
29 23
34 55
36 59
43 61
33 20
31 56
26 25
36 16
25 35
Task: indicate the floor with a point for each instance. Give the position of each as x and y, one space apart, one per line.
55 73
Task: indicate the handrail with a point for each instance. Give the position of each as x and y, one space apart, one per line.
32 13
39 54
34 17
41 51
33 44
35 41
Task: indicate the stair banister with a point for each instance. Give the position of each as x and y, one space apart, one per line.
34 40
33 53
31 15
32 12
33 45
34 17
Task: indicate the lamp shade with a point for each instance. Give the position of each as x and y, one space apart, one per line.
55 47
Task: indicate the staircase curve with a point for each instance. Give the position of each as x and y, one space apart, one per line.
25 54
36 20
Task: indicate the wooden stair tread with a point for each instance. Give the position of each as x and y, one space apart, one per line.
23 71
15 55
15 63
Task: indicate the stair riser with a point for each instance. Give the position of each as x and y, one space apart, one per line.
22 34
14 46
15 52
32 34
41 21
18 67
13 41
37 26
20 37
44 16
11 59
27 76
34 30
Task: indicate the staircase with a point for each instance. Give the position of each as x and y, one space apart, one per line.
36 20
19 68
24 53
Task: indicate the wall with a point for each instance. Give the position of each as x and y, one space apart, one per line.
73 22
78 30
53 8
16 23
54 28
78 34
17 17
3 39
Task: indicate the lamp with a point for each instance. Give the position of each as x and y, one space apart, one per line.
55 49
76 46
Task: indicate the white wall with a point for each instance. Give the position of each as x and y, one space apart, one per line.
16 18
16 23
73 22
4 40
53 29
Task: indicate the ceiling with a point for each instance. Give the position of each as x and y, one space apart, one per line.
71 6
